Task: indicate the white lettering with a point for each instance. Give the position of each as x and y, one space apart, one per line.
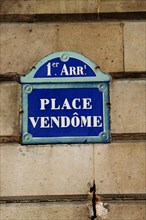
64 71
55 120
65 121
97 121
72 70
44 102
74 103
44 121
87 103
80 70
55 64
33 121
75 121
53 105
49 69
66 105
86 121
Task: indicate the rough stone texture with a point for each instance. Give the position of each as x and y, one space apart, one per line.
44 170
128 211
17 7
120 167
70 6
128 106
122 6
100 42
69 211
66 6
44 211
88 6
22 45
135 46
9 108
68 169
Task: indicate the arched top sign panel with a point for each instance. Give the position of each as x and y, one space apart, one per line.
65 66
65 99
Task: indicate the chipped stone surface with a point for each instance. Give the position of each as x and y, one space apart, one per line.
69 211
135 46
9 109
22 45
45 170
128 101
120 168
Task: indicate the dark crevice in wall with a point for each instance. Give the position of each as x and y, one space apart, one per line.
129 75
73 198
128 137
80 17
13 76
10 139
115 137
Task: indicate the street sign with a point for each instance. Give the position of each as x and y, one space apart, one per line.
65 99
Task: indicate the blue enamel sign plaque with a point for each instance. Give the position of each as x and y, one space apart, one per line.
65 99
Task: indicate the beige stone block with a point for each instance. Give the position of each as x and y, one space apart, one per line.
70 6
67 169
100 42
45 170
120 167
44 211
135 46
127 211
128 106
88 6
17 6
69 211
23 44
65 6
122 6
9 109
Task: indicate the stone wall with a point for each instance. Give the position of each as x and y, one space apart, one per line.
52 182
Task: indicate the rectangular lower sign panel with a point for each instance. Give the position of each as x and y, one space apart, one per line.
65 114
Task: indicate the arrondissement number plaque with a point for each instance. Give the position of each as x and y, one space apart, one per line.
65 99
